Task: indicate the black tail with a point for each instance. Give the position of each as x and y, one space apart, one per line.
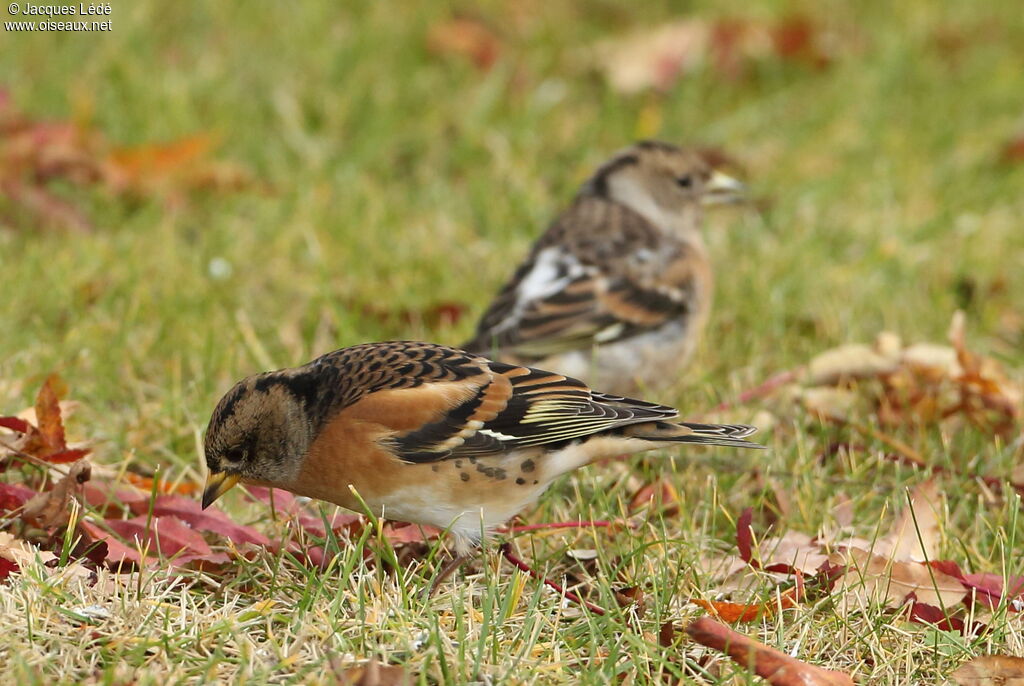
689 432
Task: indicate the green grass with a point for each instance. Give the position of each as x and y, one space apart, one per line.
395 178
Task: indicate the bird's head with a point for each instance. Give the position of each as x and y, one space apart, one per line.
665 183
260 433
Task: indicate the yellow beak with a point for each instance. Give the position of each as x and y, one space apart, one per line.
217 484
723 189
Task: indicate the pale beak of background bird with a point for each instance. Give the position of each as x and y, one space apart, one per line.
217 484
723 189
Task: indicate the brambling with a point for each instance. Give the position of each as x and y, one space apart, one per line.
618 289
428 434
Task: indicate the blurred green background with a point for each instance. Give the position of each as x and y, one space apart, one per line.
252 184
392 171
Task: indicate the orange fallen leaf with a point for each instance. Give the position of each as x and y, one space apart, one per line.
465 37
144 165
161 486
735 612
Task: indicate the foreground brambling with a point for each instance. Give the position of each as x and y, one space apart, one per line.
618 289
428 434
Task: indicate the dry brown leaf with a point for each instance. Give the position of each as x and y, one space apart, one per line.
915 533
826 402
933 359
843 510
877 579
53 508
795 549
990 670
654 58
918 384
849 362
25 555
371 673
773 665
22 552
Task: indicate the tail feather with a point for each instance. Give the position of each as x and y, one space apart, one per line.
690 432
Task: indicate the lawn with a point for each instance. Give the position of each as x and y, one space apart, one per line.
385 176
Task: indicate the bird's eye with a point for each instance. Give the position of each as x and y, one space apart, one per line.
237 456
685 181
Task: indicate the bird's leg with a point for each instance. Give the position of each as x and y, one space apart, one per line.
450 567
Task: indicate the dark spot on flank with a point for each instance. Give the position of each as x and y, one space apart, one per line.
434 468
527 466
499 474
534 482
520 481
458 464
464 476
472 460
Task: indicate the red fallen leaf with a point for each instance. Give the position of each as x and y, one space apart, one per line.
286 503
667 634
929 614
773 665
66 456
726 46
117 553
283 501
1013 151
793 39
99 496
16 424
401 533
13 496
447 313
190 511
83 550
166 536
995 585
988 587
467 38
990 670
205 561
7 567
338 521
745 535
312 556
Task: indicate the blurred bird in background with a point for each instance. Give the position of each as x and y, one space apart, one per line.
617 291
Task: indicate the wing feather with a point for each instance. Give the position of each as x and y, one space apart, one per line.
439 403
601 274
